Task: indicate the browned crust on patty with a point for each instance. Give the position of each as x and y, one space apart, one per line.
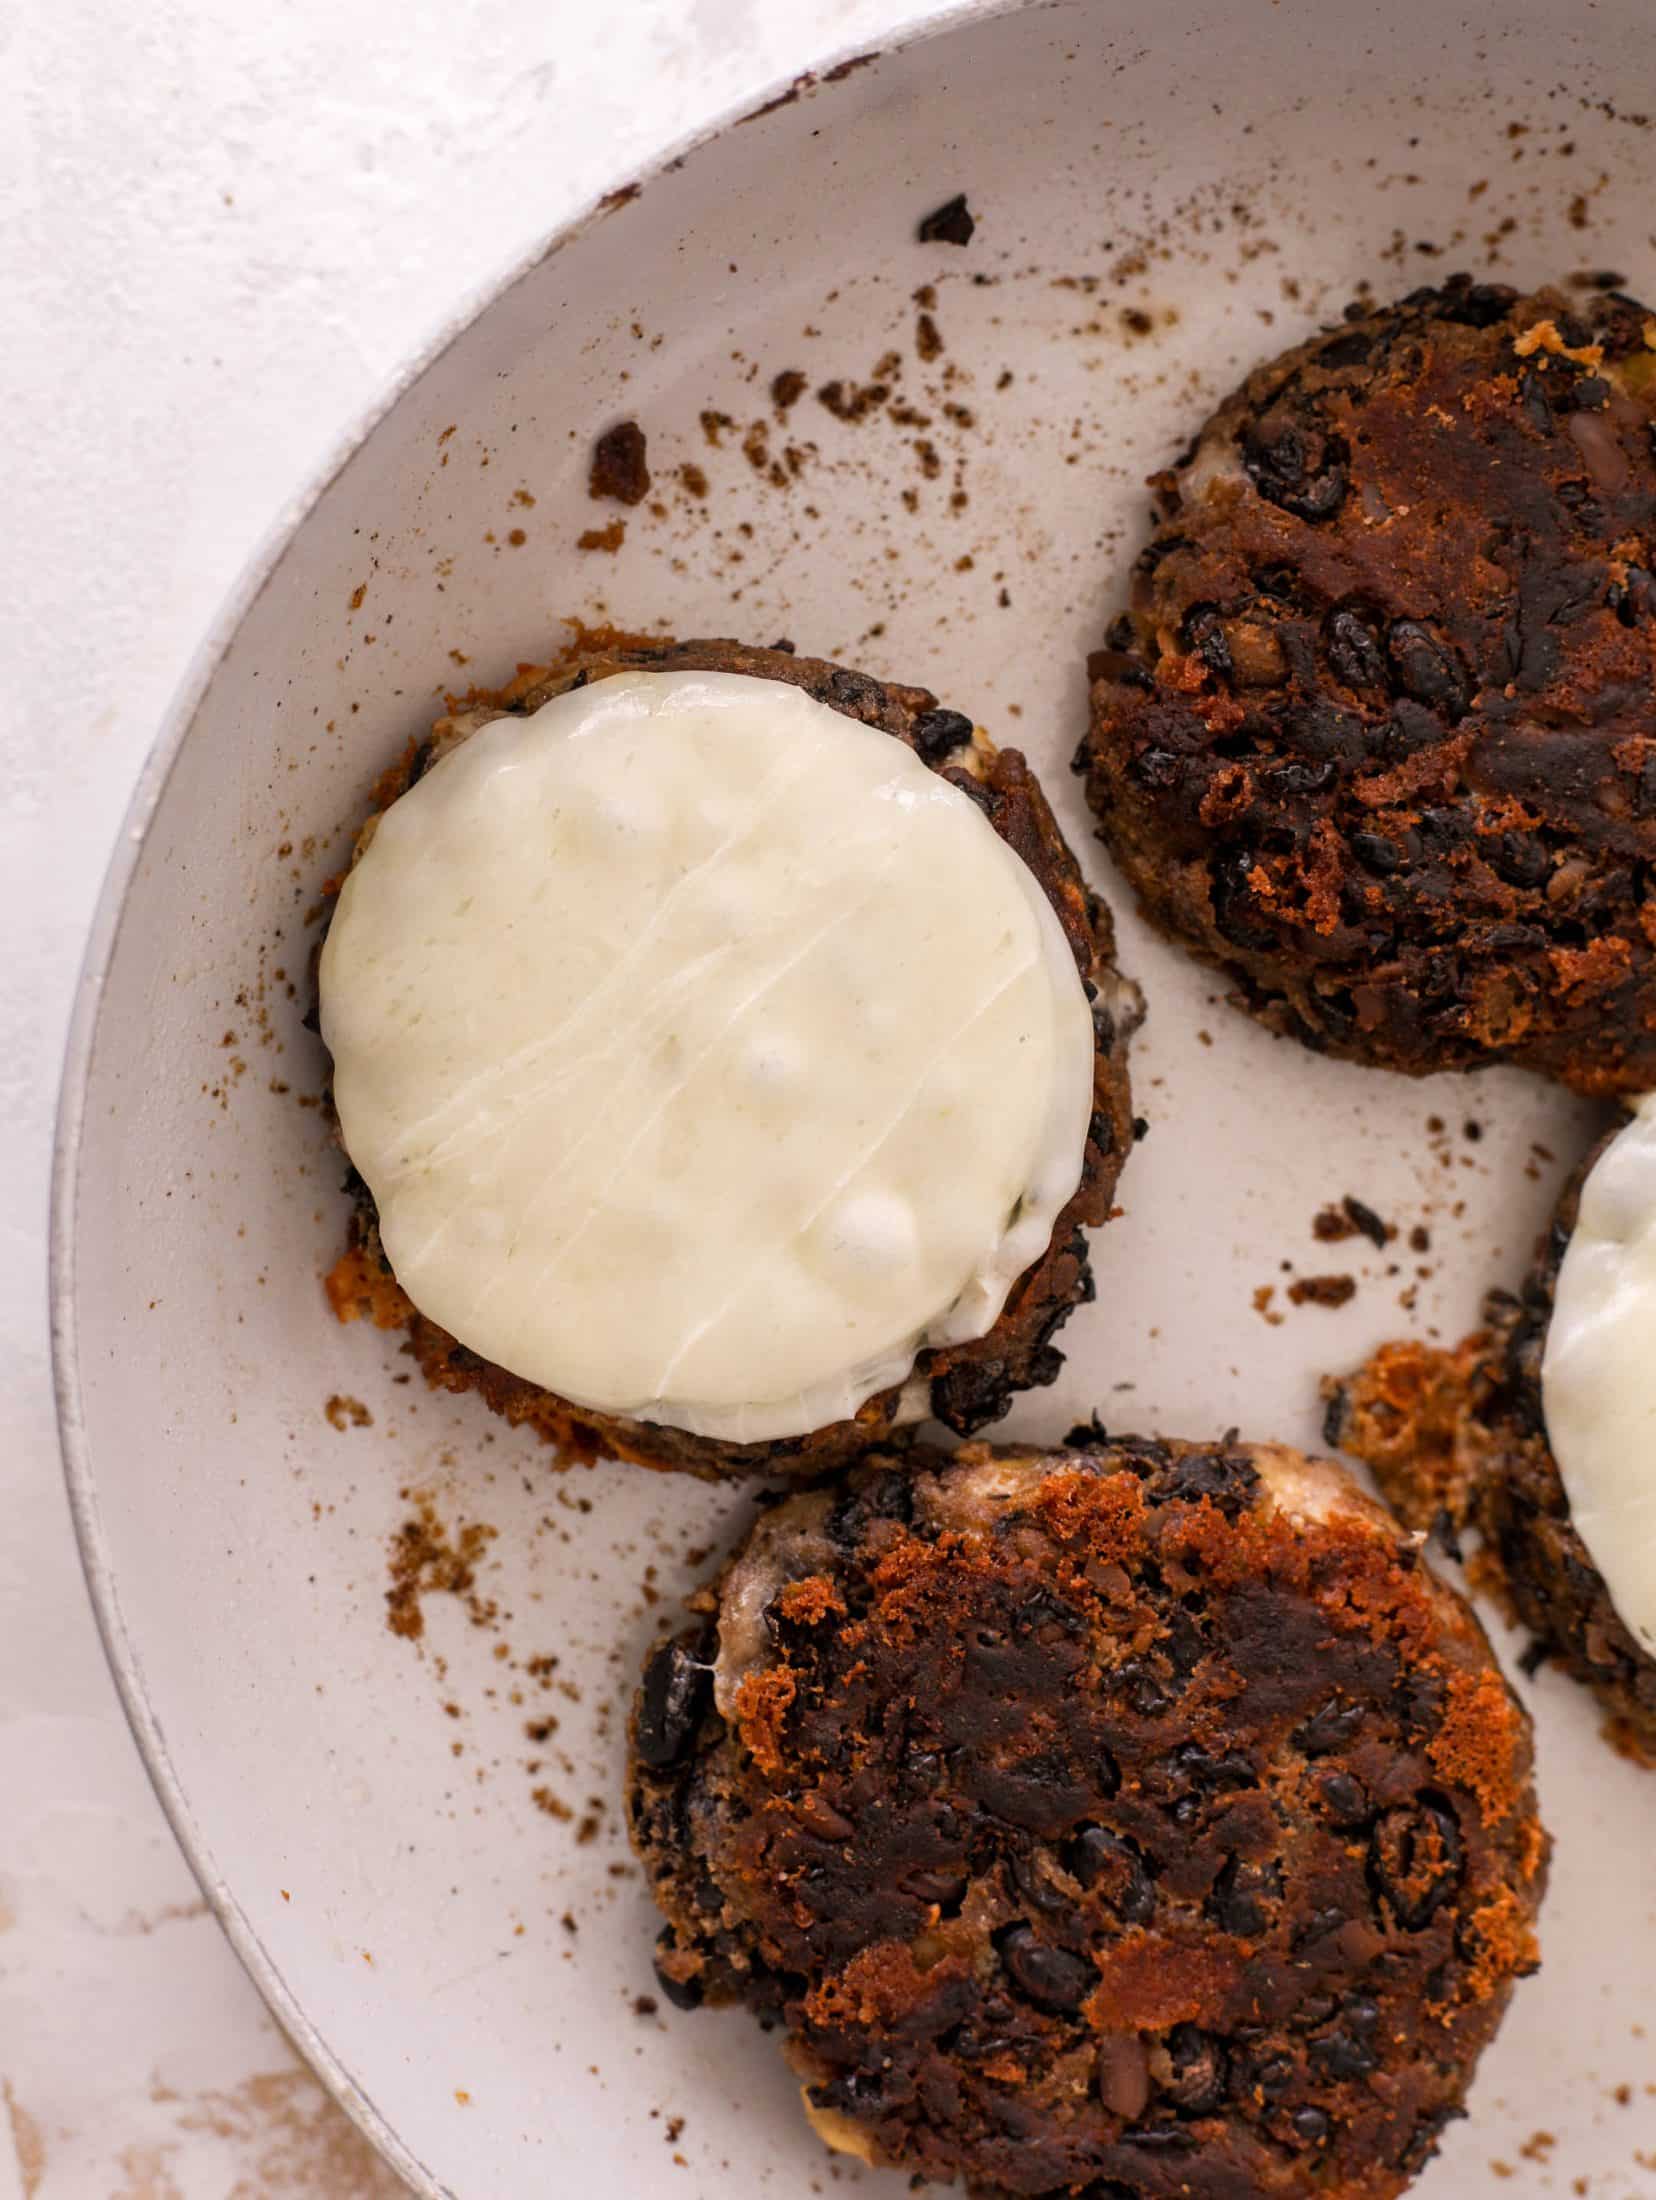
1378 733
1458 1439
969 1384
1144 1818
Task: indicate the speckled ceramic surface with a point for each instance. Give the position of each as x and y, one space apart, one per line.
412 1830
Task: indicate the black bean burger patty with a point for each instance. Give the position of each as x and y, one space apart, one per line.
1140 1819
1378 731
966 1385
1458 1439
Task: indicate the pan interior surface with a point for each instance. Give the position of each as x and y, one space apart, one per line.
379 1653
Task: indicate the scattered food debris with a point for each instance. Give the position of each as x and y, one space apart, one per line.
427 1560
618 465
1352 1218
608 539
950 223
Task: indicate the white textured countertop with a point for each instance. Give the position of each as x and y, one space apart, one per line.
221 230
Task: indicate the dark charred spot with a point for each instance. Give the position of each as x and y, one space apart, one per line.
1334 1727
1425 668
866 1500
856 695
1227 1479
1291 781
1376 853
619 470
1342 2056
1298 465
1202 631
1352 646
950 223
1160 2138
1416 1855
1234 908
971 1395
676 1695
937 734
1245 1897
1051 1977
1344 1798
1476 305
1200 2070
1113 1866
1158 768
1521 859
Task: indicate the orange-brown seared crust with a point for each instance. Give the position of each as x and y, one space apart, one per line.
1378 731
1127 1821
1458 1439
969 1385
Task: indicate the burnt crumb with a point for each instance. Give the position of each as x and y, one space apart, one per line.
928 343
756 450
787 389
606 539
950 223
1352 1218
1364 1218
619 470
1322 1290
694 478
853 401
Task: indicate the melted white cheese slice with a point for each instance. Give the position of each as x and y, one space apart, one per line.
704 1052
1598 1372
